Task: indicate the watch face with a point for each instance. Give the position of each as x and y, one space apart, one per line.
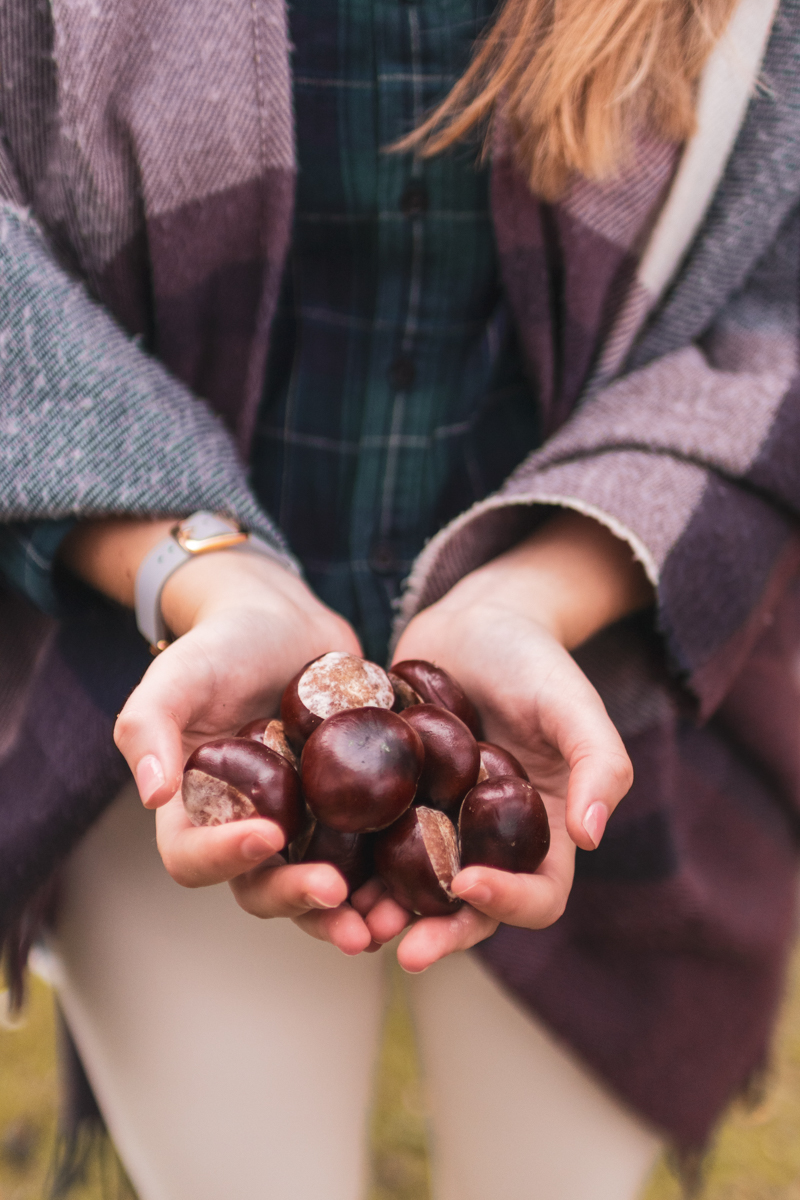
200 535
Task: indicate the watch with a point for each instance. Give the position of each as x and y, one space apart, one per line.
201 533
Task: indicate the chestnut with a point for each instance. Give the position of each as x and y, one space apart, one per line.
331 684
404 694
231 779
270 734
503 824
452 757
417 858
434 686
360 769
495 762
350 853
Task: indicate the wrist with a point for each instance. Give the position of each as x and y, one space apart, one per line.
213 583
572 576
106 553
505 586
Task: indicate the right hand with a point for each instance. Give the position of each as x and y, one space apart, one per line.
246 626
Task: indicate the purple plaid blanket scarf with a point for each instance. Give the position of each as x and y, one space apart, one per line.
152 143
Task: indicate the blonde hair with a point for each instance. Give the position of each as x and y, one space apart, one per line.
573 79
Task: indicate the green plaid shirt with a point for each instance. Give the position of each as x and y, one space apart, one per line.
395 396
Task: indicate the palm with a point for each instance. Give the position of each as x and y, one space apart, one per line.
228 669
528 689
534 701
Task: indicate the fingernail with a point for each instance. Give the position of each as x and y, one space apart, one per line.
317 902
475 893
595 822
256 848
149 777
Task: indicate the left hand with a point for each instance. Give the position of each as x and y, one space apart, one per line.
502 632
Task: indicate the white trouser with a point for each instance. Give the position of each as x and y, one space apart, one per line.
235 1058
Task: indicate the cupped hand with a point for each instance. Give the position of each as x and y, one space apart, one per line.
536 702
246 855
246 626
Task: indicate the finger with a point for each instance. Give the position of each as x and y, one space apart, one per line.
197 856
387 919
289 891
148 730
598 780
529 901
433 938
367 896
341 926
600 771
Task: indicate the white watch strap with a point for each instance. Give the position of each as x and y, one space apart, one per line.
165 558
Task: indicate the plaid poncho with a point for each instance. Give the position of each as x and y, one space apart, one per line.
148 150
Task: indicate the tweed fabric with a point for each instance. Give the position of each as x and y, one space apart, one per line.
666 970
160 171
154 142
703 412
130 438
691 458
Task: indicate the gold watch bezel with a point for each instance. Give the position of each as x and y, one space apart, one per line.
216 541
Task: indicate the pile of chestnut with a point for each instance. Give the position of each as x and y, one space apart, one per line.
377 773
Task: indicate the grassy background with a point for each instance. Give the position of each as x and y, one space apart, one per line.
757 1155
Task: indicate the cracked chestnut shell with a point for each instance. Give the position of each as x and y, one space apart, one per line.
503 824
435 686
269 733
360 769
452 757
404 695
350 853
417 858
496 762
231 779
331 684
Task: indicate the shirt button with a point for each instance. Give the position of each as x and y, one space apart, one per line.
402 373
382 560
414 201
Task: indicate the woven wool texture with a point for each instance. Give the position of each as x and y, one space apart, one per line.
140 260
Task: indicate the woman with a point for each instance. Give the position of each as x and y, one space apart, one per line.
418 354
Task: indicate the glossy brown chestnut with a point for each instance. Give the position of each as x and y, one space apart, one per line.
360 769
270 734
417 858
496 762
233 778
434 686
404 694
350 853
452 758
503 824
331 684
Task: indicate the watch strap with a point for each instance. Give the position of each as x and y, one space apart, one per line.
201 533
153 573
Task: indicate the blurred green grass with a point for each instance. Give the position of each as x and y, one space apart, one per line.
756 1156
